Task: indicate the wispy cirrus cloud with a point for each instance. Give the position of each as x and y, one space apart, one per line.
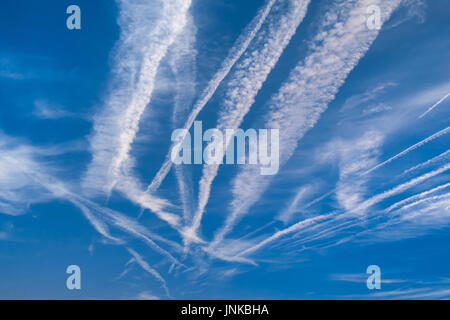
359 278
144 265
417 197
334 52
413 147
434 105
233 56
46 110
143 44
182 60
246 81
28 181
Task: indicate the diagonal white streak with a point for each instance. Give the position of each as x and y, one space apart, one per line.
413 147
143 44
183 64
350 214
400 188
438 158
98 216
296 227
235 53
245 83
435 105
144 265
342 40
417 197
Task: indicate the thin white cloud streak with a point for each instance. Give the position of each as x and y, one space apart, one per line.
132 189
318 199
342 40
292 208
245 83
425 164
23 179
417 197
432 215
30 176
404 152
235 53
433 199
147 296
421 295
185 191
143 44
296 227
183 64
106 216
366 97
348 217
359 278
131 226
144 265
356 156
435 105
400 188
45 110
406 294
441 157
97 223
372 201
181 59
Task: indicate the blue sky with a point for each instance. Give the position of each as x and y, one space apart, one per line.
85 133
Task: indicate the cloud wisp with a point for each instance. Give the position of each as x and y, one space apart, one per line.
246 81
234 55
144 265
143 44
434 105
413 147
342 40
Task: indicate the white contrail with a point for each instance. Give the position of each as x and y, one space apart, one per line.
292 208
183 64
111 217
97 223
296 227
99 217
427 199
144 265
427 163
342 40
246 81
350 214
404 152
235 53
435 105
400 188
143 44
416 197
133 191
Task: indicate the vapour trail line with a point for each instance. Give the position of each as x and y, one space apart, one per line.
342 40
244 85
235 53
413 147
